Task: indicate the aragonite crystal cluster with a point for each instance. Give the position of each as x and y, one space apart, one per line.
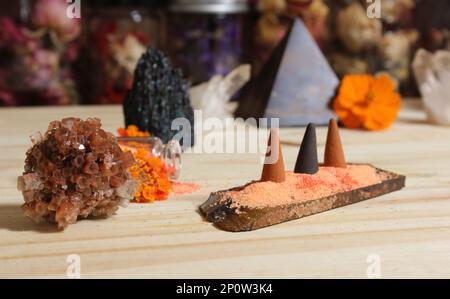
75 170
159 95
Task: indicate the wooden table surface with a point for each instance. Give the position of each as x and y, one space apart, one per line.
403 234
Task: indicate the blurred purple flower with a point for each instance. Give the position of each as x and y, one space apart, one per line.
71 53
6 99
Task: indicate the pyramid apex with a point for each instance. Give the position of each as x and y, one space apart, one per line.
295 84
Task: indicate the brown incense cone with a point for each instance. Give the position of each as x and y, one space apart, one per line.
334 154
307 155
273 169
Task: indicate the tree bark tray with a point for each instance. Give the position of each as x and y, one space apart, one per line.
219 208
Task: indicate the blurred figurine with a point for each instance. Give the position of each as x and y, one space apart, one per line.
394 50
314 14
269 29
275 19
355 30
344 63
394 11
128 52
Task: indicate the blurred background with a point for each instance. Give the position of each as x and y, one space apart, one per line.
47 58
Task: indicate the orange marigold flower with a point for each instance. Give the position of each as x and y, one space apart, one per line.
132 131
150 171
367 102
122 132
149 193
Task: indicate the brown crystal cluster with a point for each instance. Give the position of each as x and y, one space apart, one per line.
75 170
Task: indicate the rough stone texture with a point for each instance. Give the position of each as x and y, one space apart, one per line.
159 95
75 170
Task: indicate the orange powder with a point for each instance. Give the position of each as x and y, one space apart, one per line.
179 188
304 187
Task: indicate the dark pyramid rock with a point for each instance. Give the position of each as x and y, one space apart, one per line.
295 85
255 94
307 156
159 95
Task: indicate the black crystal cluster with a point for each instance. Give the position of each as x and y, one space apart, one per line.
159 95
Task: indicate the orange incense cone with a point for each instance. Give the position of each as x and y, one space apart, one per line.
273 169
334 154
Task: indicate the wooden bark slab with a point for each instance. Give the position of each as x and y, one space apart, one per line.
219 208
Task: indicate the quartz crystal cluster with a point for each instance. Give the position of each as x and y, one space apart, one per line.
159 95
74 171
213 97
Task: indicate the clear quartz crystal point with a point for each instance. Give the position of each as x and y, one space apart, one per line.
432 72
169 153
172 158
156 146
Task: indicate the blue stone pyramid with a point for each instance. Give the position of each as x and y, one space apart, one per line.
296 84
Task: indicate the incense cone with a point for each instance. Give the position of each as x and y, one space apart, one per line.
334 154
273 169
307 156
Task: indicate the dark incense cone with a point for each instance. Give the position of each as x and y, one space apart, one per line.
273 169
334 154
307 156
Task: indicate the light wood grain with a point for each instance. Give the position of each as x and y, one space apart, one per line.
409 229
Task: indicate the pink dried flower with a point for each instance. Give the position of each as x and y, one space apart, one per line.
12 33
52 14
